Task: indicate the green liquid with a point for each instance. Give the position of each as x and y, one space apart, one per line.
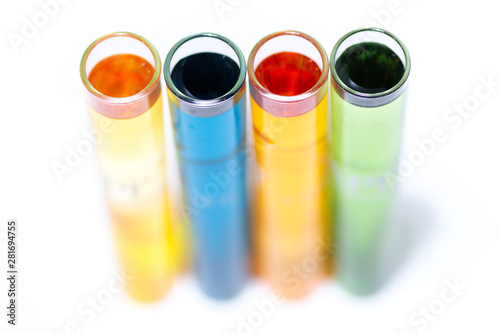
369 68
365 149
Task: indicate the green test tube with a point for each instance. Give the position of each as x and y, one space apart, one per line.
370 69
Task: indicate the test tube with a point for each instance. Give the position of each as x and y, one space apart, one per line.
205 77
370 69
121 74
288 73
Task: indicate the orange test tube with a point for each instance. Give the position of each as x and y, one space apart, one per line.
288 74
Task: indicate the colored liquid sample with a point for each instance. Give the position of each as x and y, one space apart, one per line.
121 75
290 224
369 68
205 75
288 73
132 163
365 148
212 165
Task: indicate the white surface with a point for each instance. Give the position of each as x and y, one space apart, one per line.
66 252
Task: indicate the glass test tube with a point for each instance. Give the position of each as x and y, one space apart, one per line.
205 77
370 69
121 73
288 74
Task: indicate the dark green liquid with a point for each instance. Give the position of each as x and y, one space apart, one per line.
369 68
205 75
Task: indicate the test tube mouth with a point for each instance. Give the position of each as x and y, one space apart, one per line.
294 41
375 35
121 43
198 43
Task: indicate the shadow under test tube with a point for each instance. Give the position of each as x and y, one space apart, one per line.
370 69
288 74
121 74
205 77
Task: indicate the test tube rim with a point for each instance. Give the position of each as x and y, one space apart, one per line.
152 85
295 98
215 106
369 99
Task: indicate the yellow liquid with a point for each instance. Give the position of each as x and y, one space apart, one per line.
132 163
290 224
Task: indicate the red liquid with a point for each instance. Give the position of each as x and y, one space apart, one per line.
121 75
288 73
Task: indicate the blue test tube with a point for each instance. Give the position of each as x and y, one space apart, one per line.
205 77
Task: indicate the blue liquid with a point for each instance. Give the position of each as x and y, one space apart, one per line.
212 164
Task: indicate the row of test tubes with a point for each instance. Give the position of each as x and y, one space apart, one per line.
308 192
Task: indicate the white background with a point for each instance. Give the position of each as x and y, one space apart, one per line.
65 244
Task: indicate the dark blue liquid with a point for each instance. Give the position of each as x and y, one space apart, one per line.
205 75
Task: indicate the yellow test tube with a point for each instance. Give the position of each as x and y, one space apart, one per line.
121 74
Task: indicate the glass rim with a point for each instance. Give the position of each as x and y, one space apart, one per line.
280 98
204 103
370 96
121 100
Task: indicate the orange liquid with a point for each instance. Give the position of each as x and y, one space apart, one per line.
121 75
132 164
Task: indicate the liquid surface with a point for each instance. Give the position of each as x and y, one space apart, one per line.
121 75
205 75
288 73
369 68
